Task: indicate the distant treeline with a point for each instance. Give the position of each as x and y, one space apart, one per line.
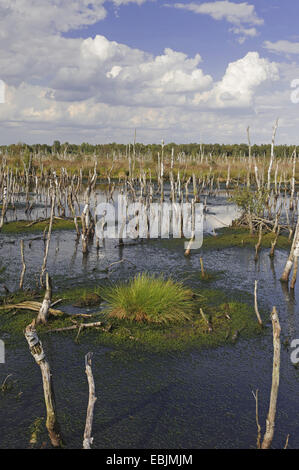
102 150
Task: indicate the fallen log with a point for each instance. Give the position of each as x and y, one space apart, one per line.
81 326
31 305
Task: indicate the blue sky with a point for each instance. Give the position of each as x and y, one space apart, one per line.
152 27
94 70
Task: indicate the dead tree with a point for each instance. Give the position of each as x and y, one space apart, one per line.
294 278
48 240
43 314
294 249
258 245
36 349
4 207
270 421
274 243
91 402
272 154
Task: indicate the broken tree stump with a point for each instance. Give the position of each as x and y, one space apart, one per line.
43 313
87 441
36 349
270 421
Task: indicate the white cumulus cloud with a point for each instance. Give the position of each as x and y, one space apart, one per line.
239 83
282 46
240 15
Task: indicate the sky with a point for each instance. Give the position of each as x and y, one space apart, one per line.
179 71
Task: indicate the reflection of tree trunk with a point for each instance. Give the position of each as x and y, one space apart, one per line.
270 421
24 265
272 267
258 245
256 304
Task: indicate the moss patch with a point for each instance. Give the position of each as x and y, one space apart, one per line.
86 296
24 226
88 299
240 237
225 321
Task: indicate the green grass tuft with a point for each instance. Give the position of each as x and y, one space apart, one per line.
149 299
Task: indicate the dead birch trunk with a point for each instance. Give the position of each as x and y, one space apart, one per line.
294 278
48 240
189 246
274 243
43 314
270 421
84 235
37 352
249 158
293 181
272 154
91 402
294 249
4 207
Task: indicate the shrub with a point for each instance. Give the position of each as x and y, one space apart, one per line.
149 299
250 201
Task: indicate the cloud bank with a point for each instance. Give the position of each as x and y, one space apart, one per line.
99 90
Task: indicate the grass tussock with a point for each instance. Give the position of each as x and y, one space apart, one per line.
149 299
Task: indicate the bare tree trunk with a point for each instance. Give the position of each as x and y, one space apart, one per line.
91 402
189 246
272 154
270 421
4 206
249 158
274 243
48 240
294 249
43 314
37 352
294 278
